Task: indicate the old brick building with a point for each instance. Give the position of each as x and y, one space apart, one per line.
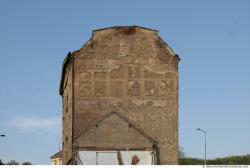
120 93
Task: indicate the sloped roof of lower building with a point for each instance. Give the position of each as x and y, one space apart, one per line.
57 155
129 133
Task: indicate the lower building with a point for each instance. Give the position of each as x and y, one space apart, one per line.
56 159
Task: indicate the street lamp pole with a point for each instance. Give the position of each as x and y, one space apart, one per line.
205 133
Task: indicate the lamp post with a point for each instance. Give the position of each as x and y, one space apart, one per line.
205 133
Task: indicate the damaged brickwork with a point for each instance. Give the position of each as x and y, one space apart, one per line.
126 70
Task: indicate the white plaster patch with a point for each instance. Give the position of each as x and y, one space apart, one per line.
139 102
152 91
156 103
131 83
159 103
163 85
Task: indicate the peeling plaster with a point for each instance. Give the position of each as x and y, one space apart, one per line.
155 103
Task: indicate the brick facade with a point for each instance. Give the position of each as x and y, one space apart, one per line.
130 71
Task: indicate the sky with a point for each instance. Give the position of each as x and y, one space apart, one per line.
211 37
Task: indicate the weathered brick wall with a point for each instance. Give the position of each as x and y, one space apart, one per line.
128 70
67 115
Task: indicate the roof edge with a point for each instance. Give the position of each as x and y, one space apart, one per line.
124 27
65 63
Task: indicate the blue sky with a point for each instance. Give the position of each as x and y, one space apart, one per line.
211 37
